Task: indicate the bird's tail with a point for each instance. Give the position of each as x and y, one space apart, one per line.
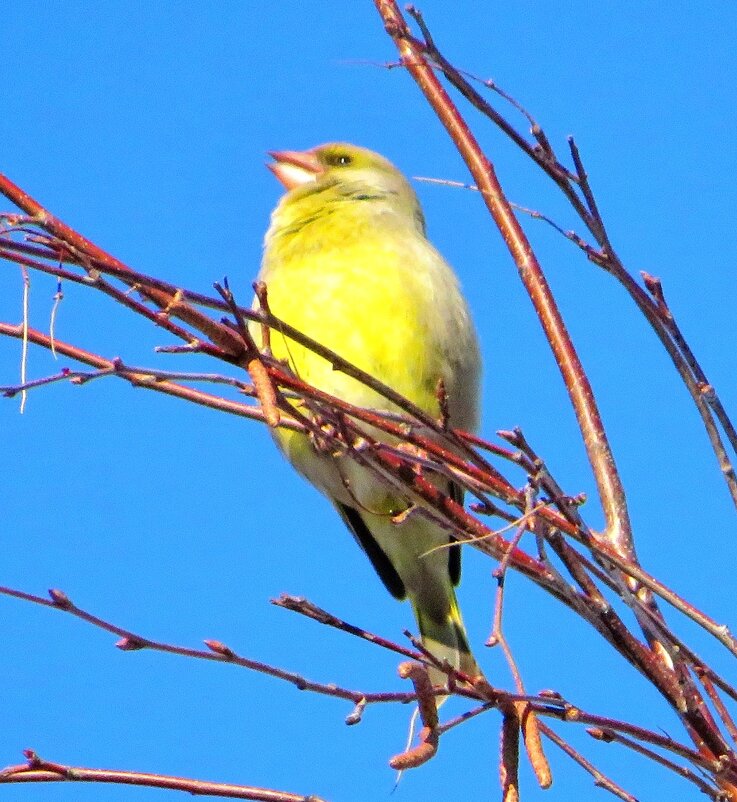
445 637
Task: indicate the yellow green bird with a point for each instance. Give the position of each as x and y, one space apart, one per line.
347 262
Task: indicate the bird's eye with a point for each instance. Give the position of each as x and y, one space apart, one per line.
339 159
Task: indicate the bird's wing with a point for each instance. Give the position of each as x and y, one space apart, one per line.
381 563
454 552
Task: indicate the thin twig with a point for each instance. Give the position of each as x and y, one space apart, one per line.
600 779
521 712
24 337
38 770
216 651
609 736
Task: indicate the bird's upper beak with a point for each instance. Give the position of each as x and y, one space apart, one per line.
294 168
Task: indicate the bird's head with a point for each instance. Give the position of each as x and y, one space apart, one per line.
336 161
350 171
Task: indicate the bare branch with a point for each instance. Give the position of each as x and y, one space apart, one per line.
37 770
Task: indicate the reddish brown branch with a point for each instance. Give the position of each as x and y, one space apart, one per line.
74 242
38 770
414 57
306 608
216 651
585 206
135 379
600 779
550 705
609 736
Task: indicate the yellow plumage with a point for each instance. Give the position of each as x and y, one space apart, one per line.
346 261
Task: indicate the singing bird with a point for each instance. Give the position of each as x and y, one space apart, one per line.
347 262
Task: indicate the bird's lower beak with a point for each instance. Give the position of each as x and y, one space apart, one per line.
294 168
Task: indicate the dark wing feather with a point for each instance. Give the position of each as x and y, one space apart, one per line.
382 565
454 556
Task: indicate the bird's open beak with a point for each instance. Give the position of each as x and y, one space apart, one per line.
294 168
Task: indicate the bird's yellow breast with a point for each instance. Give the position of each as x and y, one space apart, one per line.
375 291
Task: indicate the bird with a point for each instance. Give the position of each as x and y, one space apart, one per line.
346 261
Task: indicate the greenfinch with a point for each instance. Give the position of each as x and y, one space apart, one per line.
347 262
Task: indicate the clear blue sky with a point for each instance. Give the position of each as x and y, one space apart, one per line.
146 128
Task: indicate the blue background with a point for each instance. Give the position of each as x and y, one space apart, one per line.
146 127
